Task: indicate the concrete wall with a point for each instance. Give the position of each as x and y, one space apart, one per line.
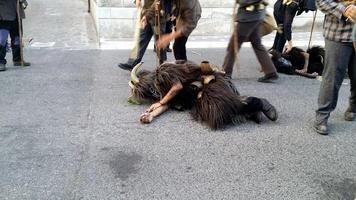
115 19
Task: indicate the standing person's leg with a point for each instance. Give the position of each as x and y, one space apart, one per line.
243 32
179 48
279 35
337 58
163 52
262 55
4 34
144 39
15 42
169 26
350 113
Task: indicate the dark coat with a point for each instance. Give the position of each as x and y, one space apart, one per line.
244 15
188 13
8 10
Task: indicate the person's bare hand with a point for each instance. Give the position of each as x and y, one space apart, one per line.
164 40
146 118
143 22
350 13
288 48
154 107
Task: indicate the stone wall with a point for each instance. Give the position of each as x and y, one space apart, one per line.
115 19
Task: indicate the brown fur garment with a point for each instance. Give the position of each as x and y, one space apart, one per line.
144 90
168 74
220 104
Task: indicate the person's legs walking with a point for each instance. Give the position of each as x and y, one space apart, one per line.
262 56
336 61
350 113
243 32
15 44
135 57
179 48
163 51
4 33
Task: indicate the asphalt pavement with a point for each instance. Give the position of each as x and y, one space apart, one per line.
68 132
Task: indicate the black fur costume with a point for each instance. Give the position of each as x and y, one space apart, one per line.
216 103
288 62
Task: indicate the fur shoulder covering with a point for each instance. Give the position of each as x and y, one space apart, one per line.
169 73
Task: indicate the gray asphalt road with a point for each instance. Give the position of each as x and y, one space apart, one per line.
67 132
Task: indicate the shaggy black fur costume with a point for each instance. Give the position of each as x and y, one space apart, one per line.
216 103
288 62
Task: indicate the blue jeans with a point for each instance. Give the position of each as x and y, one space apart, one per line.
338 57
145 37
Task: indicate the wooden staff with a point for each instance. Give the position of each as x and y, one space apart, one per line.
19 21
158 30
235 35
312 29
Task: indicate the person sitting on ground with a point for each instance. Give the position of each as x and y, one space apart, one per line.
297 61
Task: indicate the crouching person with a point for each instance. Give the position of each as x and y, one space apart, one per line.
208 93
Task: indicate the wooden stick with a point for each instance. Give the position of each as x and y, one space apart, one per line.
312 29
235 35
19 21
158 30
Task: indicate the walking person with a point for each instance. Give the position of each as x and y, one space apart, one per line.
9 26
147 31
284 13
250 15
339 57
186 14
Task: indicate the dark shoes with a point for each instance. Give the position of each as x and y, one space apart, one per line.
321 128
25 64
350 114
269 110
125 66
168 49
268 78
2 67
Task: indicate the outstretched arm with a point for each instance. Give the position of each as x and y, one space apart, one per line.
161 106
147 117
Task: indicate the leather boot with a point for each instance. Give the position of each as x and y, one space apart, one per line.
269 110
16 56
350 113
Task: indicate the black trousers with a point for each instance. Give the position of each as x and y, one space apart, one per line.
179 49
10 28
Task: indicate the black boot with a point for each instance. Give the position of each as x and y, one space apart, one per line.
2 58
16 56
269 110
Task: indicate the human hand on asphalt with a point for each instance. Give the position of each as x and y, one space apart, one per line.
146 118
